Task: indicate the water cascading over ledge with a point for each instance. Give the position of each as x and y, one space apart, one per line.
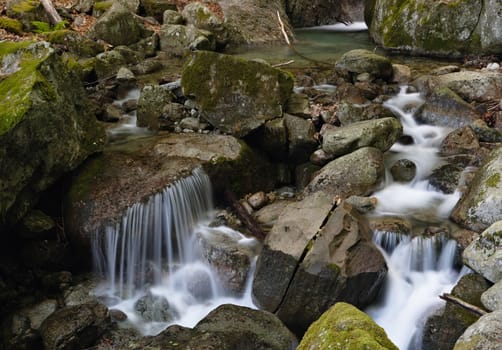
152 236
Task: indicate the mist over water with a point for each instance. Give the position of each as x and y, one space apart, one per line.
420 268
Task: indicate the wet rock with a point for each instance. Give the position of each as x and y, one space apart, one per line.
360 61
41 137
492 298
481 205
317 12
36 224
235 95
357 173
464 237
75 327
482 335
268 215
342 264
37 313
403 170
345 324
151 103
117 315
81 293
401 73
362 204
273 138
485 133
112 113
229 254
178 39
446 178
460 141
153 308
484 255
118 26
378 133
321 158
108 64
441 331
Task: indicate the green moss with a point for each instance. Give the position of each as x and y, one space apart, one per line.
493 180
11 25
25 6
343 326
16 88
102 6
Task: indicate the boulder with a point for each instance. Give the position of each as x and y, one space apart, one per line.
360 61
441 331
347 325
357 173
154 308
235 95
492 298
484 255
481 206
474 86
99 192
254 22
76 43
272 138
108 63
482 335
378 133
301 142
227 327
446 178
201 16
319 12
403 170
46 127
177 39
348 112
26 11
460 141
157 8
75 327
298 104
442 28
341 264
119 26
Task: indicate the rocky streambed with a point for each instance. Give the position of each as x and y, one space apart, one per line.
302 152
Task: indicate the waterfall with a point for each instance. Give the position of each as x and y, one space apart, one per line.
419 268
150 260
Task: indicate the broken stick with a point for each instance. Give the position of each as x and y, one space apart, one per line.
457 301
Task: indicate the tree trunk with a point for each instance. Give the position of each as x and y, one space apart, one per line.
51 11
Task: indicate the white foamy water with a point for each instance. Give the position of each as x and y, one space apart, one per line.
422 268
154 254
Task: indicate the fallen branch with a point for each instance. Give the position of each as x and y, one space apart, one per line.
469 307
283 63
244 216
54 16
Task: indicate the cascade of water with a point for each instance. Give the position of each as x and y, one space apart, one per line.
153 252
422 268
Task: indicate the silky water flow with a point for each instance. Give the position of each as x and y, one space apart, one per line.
151 261
419 268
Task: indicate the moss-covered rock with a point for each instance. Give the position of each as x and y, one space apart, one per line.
11 25
177 40
26 11
443 28
46 128
75 43
481 206
156 8
233 94
363 61
343 326
202 17
482 335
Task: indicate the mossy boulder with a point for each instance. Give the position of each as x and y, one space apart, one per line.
201 16
26 11
344 326
11 25
442 28
482 335
233 94
151 103
119 26
481 206
46 129
484 255
75 43
156 8
360 61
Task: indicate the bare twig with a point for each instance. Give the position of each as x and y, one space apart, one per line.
283 63
469 307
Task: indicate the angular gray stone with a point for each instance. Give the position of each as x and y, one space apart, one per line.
151 103
301 141
479 86
176 39
492 298
482 335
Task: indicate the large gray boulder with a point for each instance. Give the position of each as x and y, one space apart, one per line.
341 264
484 255
319 12
474 86
46 127
378 133
235 95
177 39
357 173
483 335
345 324
492 298
481 206
119 26
443 28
